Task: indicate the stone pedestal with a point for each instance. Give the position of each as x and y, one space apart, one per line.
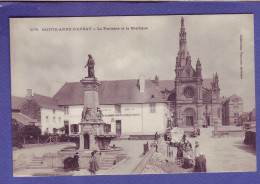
92 135
87 134
90 86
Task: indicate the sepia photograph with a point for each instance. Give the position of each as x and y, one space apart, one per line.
127 95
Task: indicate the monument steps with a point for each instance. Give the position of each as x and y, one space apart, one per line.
36 163
107 161
111 158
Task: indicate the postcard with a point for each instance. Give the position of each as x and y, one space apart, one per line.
124 95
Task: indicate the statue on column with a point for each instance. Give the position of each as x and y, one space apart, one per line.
90 64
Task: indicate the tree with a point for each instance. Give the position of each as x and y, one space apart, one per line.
17 134
31 131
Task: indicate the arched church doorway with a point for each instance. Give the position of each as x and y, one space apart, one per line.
86 141
189 116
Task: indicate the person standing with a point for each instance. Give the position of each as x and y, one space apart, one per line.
93 165
200 163
179 156
197 149
75 165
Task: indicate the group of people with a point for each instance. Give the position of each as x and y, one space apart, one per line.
73 163
188 159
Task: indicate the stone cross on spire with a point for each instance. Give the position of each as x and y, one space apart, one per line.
182 21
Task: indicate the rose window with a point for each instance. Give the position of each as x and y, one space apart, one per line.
189 92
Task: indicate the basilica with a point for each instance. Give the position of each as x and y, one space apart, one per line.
195 101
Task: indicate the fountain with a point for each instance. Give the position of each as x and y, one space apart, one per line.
94 132
94 135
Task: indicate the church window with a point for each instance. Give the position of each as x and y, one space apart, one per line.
54 120
47 119
152 108
189 92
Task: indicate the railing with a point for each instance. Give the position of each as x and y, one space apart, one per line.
52 138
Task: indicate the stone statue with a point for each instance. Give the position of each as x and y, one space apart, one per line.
90 64
86 114
99 114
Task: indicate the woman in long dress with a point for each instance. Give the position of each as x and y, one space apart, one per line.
93 165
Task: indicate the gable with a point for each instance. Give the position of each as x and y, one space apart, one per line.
187 71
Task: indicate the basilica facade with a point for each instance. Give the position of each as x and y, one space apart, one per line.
194 101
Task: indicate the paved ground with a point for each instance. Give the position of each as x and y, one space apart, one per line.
133 148
227 154
39 151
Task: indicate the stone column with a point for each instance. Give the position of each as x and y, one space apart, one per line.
91 99
81 142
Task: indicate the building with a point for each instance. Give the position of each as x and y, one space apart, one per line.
194 100
17 117
43 109
131 107
247 117
232 109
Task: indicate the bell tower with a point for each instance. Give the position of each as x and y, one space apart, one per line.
188 85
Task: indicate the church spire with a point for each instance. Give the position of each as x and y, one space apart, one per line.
182 43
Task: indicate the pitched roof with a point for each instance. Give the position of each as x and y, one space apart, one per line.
118 92
21 118
111 92
166 84
233 97
46 102
15 102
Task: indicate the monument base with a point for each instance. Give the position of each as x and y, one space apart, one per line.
93 136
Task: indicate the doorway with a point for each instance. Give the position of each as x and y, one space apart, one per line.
208 120
66 126
189 121
118 127
86 141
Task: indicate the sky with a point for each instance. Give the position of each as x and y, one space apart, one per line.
40 59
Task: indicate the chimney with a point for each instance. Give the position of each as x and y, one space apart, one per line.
156 79
29 93
141 83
